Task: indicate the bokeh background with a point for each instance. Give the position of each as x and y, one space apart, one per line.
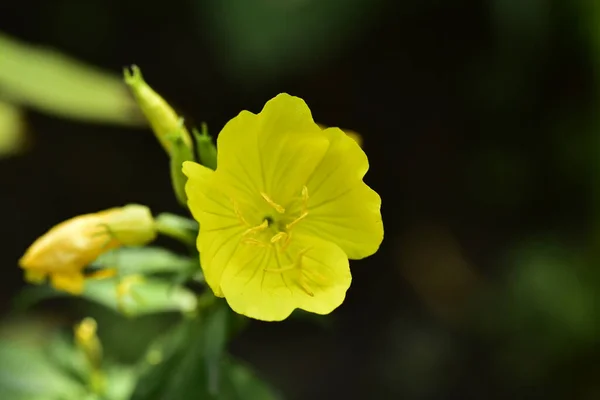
480 120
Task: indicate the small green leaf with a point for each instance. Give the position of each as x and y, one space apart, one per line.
205 147
180 153
51 82
177 227
147 296
146 260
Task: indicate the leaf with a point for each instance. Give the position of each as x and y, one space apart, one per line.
26 373
145 260
12 130
146 296
216 335
180 375
243 384
56 84
189 360
180 228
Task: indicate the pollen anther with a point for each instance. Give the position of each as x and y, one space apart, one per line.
277 207
277 237
294 222
256 229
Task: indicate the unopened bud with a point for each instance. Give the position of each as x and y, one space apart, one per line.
161 116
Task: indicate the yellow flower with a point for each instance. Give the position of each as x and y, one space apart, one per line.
283 212
64 251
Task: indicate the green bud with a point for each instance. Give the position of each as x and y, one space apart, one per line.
207 151
161 116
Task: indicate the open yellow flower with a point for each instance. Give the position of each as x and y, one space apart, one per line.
64 251
283 212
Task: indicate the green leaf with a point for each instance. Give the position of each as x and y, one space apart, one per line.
121 382
216 335
146 260
206 148
243 384
56 84
26 373
180 228
188 363
147 296
180 153
179 371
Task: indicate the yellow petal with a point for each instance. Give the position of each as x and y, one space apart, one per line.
342 208
262 283
35 277
273 152
69 282
220 227
68 246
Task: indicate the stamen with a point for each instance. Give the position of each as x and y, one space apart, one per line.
278 237
294 222
238 213
254 242
304 286
286 243
276 206
294 265
304 198
256 229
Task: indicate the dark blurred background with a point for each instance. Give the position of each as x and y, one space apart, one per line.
480 122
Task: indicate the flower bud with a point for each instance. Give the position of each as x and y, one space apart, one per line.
67 249
161 116
87 341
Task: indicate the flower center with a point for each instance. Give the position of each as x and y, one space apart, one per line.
275 228
275 231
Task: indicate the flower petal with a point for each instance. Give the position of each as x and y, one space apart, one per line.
314 276
342 208
69 282
273 152
220 227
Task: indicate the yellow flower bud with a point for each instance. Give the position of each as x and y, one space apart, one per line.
132 225
65 250
164 121
87 341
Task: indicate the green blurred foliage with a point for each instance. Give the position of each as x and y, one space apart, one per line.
190 362
145 296
51 82
12 130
